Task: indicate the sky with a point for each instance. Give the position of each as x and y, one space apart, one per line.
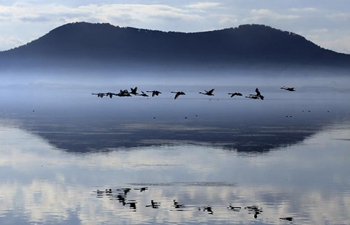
324 22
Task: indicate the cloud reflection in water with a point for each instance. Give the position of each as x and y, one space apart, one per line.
42 184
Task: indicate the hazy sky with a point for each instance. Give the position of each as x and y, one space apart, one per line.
325 22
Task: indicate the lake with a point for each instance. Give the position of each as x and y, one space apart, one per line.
285 156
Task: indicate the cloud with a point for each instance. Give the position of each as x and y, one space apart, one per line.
66 183
35 18
307 10
340 44
10 41
339 16
104 12
204 5
259 14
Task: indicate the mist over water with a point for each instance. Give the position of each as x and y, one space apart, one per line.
288 154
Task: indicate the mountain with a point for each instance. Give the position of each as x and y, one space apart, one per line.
86 46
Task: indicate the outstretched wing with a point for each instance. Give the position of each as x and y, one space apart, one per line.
257 91
210 92
177 95
134 90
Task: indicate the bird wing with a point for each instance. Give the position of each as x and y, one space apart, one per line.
257 91
210 92
177 95
232 94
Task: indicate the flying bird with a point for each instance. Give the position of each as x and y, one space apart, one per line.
235 93
134 91
288 88
110 94
210 93
100 95
252 96
123 93
143 94
258 94
155 93
178 93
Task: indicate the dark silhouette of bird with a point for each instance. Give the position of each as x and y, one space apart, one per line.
121 198
208 209
234 208
126 190
142 189
134 91
155 93
178 93
132 205
254 209
252 96
259 94
235 93
288 88
123 93
154 204
109 191
287 218
177 205
210 93
143 94
256 96
100 95
109 94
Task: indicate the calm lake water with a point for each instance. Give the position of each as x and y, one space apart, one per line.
288 155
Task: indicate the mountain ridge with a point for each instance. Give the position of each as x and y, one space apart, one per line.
85 45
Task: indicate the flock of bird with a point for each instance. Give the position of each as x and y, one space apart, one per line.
121 195
133 91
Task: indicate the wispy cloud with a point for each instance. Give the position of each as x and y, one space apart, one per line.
336 40
204 5
307 10
56 12
259 14
35 18
11 40
339 16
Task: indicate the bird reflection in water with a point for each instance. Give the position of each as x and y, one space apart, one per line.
142 189
177 205
234 208
154 204
206 208
121 196
254 210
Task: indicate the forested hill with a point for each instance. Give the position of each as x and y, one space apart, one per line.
86 45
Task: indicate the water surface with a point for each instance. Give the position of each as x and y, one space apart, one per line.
288 155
